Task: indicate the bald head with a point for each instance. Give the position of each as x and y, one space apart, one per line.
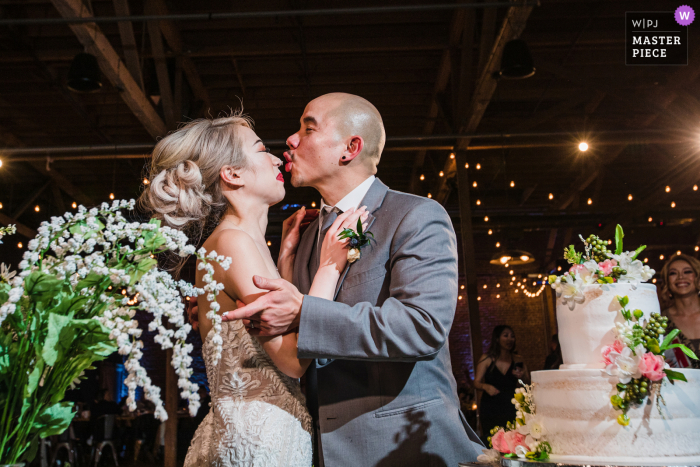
354 115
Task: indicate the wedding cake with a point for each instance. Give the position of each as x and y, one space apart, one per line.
574 402
614 399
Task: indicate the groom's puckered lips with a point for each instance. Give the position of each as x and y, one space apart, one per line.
288 165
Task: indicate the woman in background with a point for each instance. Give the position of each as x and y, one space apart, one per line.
497 375
680 284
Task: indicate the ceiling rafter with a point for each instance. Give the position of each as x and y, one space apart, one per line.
96 43
126 31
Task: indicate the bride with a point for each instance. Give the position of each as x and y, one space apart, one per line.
219 173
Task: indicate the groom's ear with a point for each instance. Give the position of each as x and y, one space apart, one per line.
353 148
231 176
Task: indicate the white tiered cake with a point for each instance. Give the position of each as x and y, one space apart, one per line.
574 401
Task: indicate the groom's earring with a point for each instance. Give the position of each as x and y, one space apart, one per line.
343 157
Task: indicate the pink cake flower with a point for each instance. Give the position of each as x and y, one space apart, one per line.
499 442
576 268
607 266
505 442
652 366
616 347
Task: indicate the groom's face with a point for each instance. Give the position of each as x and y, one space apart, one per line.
314 151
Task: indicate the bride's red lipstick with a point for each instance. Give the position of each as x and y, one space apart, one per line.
280 177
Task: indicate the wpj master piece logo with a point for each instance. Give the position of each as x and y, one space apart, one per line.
657 37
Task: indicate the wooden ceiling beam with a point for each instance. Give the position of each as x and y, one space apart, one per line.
96 43
161 64
512 27
126 31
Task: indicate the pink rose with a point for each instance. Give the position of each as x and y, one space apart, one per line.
514 439
499 442
607 266
616 347
652 366
576 268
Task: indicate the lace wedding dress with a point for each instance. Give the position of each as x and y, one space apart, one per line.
258 416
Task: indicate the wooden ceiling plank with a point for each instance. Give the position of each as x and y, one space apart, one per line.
126 31
29 201
161 64
96 43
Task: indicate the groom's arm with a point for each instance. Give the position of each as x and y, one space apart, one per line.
414 322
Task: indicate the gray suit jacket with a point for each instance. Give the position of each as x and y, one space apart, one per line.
386 394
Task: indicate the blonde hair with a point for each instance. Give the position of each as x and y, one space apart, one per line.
185 190
665 296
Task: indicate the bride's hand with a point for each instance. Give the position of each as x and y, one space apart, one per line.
334 252
292 228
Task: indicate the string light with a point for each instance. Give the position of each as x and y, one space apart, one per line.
516 291
498 295
498 285
558 268
486 218
695 188
697 248
145 181
422 177
646 260
539 276
661 257
74 205
269 243
650 219
313 204
442 174
668 188
452 155
459 298
498 244
478 202
511 272
629 197
111 196
478 166
551 196
486 286
466 166
0 205
507 265
590 201
678 252
583 146
37 208
478 298
673 204
512 184
653 281
461 286
490 232
0 162
429 195
474 184
19 245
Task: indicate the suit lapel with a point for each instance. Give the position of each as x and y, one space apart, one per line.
373 200
301 263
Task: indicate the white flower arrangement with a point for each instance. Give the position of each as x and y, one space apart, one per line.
9 230
598 265
95 251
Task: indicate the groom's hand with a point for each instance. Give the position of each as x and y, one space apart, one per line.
274 313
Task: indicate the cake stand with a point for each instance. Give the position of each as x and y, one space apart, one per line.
572 462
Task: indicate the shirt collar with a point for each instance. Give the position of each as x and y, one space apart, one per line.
355 197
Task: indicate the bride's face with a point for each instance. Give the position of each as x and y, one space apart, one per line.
263 178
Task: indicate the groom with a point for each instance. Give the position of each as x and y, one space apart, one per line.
381 391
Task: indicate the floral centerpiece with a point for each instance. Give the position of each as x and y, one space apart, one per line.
73 302
598 265
636 358
525 438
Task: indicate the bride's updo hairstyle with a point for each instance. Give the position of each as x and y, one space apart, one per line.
185 189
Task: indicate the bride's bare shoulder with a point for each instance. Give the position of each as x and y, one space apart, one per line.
231 242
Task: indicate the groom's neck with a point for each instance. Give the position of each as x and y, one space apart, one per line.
333 189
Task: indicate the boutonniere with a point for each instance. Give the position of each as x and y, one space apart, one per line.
358 239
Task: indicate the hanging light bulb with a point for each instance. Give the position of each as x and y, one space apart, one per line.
653 281
0 205
442 174
486 218
313 204
695 188
512 184
461 286
498 295
646 260
551 196
84 73
430 195
498 285
452 155
668 189
507 265
490 232
583 146
478 202
661 256
269 243
474 184
37 208
486 286
422 177
19 245
466 166
516 61
478 166
479 298
590 201
145 181
459 297
697 248
74 205
111 196
650 219
629 197
673 204
498 244
558 268
678 252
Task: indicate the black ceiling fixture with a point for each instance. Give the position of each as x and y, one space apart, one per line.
516 62
84 73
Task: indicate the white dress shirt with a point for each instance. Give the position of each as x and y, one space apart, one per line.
352 199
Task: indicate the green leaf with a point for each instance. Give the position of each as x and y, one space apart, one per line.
54 419
669 337
142 268
684 349
623 301
34 378
30 453
619 235
42 287
637 251
59 338
90 280
359 226
675 375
